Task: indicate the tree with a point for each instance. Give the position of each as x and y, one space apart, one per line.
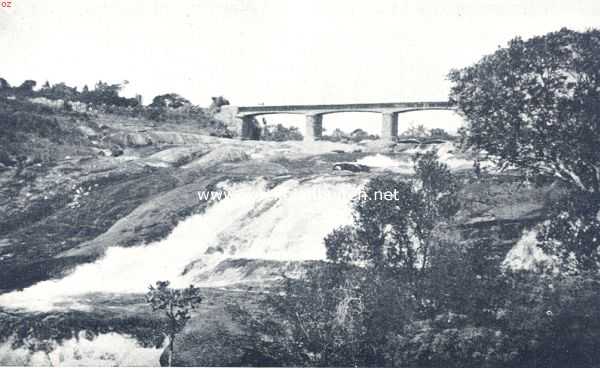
439 133
279 133
107 94
416 131
176 305
535 104
26 88
4 84
359 135
59 91
395 236
572 232
169 101
216 104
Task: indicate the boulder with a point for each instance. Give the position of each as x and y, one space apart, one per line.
220 155
351 166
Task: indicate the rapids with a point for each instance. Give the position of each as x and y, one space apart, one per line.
287 222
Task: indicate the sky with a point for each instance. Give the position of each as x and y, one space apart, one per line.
272 51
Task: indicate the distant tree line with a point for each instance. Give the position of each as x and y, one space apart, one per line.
102 94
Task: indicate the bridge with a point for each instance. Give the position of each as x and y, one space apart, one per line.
314 115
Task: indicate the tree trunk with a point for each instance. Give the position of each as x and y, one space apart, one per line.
171 338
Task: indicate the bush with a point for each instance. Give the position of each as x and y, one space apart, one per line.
169 101
279 133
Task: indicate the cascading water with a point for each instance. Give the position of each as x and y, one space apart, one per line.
287 222
106 350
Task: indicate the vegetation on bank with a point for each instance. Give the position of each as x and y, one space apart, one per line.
105 98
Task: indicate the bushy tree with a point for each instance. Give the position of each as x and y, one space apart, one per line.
4 84
26 88
216 104
107 94
535 104
176 305
439 133
572 232
279 133
169 101
319 320
59 91
396 236
417 131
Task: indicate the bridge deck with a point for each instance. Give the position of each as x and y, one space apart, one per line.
345 107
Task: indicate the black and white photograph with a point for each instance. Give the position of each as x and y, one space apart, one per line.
284 183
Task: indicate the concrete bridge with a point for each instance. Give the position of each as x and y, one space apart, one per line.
314 115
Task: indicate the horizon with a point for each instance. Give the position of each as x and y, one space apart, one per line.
272 52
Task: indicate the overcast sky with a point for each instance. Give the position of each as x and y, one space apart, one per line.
273 51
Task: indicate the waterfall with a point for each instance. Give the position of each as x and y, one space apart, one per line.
286 222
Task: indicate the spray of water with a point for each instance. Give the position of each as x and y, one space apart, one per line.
106 350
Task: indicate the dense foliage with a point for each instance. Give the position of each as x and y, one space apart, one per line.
572 232
279 133
536 105
169 100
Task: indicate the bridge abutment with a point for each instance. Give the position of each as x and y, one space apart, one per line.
250 129
389 125
314 127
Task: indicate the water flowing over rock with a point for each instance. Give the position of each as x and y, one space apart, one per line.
287 222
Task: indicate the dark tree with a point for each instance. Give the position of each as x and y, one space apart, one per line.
169 100
176 304
536 104
4 84
216 104
396 235
279 133
26 88
572 232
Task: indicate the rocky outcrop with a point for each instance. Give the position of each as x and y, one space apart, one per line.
351 166
219 156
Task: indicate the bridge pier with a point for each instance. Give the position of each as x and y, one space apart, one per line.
250 129
389 125
314 127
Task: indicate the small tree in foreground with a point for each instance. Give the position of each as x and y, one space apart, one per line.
176 304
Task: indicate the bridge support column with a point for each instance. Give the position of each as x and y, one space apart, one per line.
389 125
314 127
250 129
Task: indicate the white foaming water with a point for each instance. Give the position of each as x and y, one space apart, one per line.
447 154
526 254
379 160
287 222
106 350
